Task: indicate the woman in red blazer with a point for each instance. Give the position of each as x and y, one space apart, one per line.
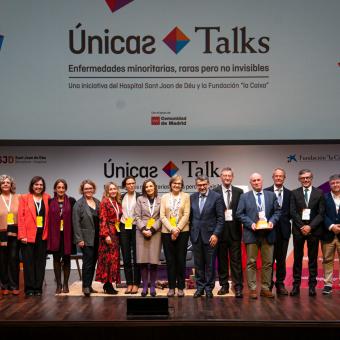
33 232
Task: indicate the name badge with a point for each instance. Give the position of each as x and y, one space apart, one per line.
306 214
128 223
150 223
228 215
173 222
10 218
39 222
117 226
61 225
262 216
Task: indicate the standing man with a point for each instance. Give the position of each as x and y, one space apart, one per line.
283 229
206 226
330 240
259 212
229 245
307 208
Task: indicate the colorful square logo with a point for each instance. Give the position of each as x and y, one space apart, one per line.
115 5
176 40
170 168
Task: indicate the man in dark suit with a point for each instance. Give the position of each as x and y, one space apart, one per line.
206 226
307 208
229 245
330 238
259 212
283 229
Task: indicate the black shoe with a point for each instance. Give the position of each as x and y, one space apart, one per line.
311 291
87 291
198 294
295 291
144 293
224 290
281 290
238 293
209 295
29 293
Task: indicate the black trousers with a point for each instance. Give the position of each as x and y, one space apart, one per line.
90 256
175 254
128 246
34 260
9 264
313 246
204 259
230 250
280 255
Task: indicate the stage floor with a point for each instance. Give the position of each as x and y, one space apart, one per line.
51 315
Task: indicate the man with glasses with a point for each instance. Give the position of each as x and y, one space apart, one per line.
307 208
206 225
259 212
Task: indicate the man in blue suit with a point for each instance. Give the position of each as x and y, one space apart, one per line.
259 212
330 239
206 226
283 229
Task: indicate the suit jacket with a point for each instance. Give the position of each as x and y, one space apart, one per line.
284 226
83 225
183 214
247 212
210 221
232 229
331 217
316 204
27 218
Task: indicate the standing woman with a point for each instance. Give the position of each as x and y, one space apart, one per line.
108 252
60 238
148 236
128 235
85 218
33 233
9 244
175 211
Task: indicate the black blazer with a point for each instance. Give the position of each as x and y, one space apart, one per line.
284 226
232 229
331 217
210 221
317 206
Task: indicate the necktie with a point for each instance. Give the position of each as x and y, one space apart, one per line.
279 197
228 198
259 202
306 196
202 199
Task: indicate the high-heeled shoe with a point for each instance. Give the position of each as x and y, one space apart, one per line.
128 289
108 289
153 291
134 289
144 293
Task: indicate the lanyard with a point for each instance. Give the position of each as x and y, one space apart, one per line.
37 205
8 206
116 208
174 204
151 208
128 206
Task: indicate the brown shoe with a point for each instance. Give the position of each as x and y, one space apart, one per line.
252 294
134 289
266 293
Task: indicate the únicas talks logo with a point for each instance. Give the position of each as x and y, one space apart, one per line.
176 40
115 5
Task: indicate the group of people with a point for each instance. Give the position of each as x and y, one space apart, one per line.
139 224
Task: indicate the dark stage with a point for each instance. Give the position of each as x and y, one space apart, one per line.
67 317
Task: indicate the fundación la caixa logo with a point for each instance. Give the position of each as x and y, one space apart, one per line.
115 5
